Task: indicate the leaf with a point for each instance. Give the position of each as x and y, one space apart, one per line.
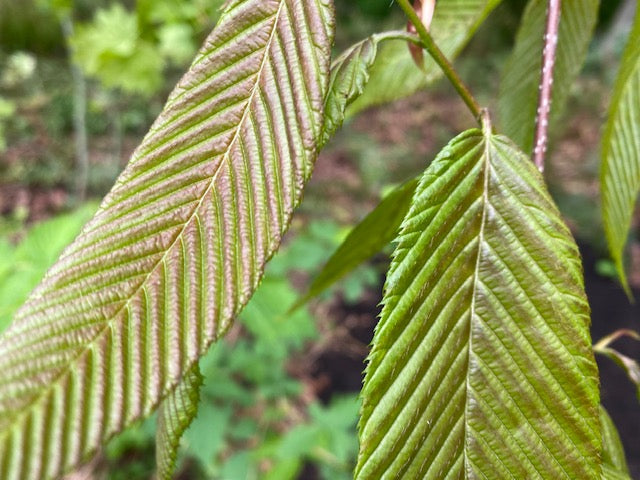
370 236
394 74
349 76
519 85
620 169
611 473
177 247
177 411
612 450
629 365
481 364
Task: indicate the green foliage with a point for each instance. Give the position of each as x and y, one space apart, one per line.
367 238
521 76
349 76
130 50
612 451
462 381
620 172
7 109
24 265
394 74
112 49
629 365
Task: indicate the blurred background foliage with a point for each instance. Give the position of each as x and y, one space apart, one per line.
280 393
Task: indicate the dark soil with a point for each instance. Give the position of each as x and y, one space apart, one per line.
612 311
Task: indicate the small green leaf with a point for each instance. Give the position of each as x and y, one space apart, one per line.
177 411
349 77
612 450
620 170
367 238
629 365
519 86
482 364
394 74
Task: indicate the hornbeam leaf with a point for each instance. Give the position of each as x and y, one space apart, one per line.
611 473
177 247
620 170
629 365
349 76
394 74
519 86
612 450
481 364
176 413
366 239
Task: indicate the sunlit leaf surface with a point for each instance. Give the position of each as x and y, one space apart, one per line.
620 172
482 364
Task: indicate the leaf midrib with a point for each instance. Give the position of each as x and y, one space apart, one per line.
108 322
476 280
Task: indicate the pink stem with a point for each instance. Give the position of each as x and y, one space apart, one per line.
546 83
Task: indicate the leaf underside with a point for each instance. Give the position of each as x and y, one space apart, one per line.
481 364
629 365
349 76
394 74
613 458
519 85
176 413
176 248
620 171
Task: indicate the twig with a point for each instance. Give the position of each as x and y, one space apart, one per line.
448 70
546 83
79 116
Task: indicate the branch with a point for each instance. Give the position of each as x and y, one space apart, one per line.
448 70
546 83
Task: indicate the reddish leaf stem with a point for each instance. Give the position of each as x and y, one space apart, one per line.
546 83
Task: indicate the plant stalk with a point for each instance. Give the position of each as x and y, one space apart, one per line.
79 116
442 61
546 82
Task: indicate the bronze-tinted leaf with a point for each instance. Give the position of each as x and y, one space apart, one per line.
177 247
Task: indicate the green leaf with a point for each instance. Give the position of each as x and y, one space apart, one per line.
394 74
519 86
620 170
177 247
177 411
349 77
370 236
482 364
611 473
629 365
612 450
